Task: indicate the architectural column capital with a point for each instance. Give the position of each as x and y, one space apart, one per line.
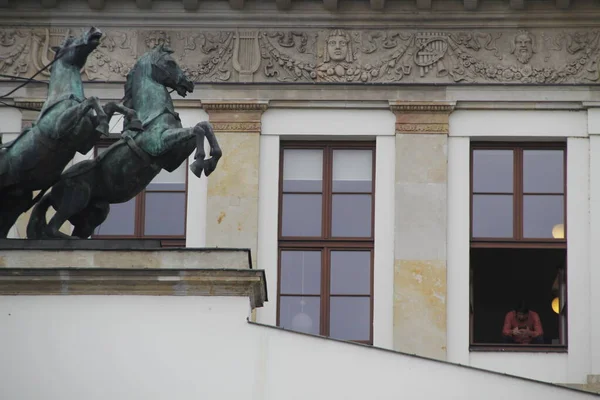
593 117
235 116
422 117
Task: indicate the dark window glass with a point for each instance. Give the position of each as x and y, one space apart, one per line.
351 272
541 214
543 171
120 220
350 318
300 272
301 214
300 314
351 215
165 214
492 216
493 171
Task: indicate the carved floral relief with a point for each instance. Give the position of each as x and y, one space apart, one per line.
328 56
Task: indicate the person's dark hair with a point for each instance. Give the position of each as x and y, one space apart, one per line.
522 307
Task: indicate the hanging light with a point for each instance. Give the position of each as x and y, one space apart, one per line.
556 305
558 231
302 322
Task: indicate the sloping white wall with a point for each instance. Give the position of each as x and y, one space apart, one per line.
138 347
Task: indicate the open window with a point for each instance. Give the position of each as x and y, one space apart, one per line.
518 243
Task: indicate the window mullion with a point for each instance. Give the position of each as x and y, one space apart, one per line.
327 186
325 285
518 193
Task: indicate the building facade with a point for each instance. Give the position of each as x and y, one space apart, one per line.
404 172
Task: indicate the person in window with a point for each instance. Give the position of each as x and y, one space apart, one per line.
523 326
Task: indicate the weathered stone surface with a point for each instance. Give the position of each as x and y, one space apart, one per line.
166 259
420 231
352 56
421 159
421 221
420 307
232 206
144 282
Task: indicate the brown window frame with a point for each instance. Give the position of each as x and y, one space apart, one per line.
140 211
326 243
518 241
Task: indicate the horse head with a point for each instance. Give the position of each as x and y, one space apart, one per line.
167 72
74 51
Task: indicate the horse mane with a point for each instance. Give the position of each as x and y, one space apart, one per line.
152 56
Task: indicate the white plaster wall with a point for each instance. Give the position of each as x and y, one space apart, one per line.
594 249
327 124
384 257
268 204
516 123
576 365
457 303
332 122
142 347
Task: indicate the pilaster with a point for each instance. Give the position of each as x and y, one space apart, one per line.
594 218
420 227
232 205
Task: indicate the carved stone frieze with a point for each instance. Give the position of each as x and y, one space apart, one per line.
536 56
235 116
422 117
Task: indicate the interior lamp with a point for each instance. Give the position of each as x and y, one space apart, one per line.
302 322
555 305
558 231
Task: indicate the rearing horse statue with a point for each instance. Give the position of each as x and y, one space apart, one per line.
85 191
68 123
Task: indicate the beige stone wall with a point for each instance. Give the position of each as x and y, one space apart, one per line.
420 247
232 204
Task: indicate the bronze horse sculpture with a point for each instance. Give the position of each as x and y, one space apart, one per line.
68 123
85 191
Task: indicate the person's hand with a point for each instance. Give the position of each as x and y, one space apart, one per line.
516 331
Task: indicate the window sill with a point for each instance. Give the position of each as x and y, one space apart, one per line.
517 348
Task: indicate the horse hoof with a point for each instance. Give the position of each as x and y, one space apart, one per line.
197 167
135 125
102 128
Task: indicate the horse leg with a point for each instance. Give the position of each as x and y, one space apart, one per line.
215 149
74 115
90 218
198 165
70 199
131 120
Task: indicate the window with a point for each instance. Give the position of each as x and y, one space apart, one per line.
326 239
158 212
518 242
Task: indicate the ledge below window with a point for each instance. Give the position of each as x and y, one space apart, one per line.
517 348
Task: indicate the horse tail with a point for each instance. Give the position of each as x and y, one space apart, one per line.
37 222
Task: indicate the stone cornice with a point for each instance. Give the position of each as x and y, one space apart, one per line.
331 5
346 13
210 105
417 106
147 282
